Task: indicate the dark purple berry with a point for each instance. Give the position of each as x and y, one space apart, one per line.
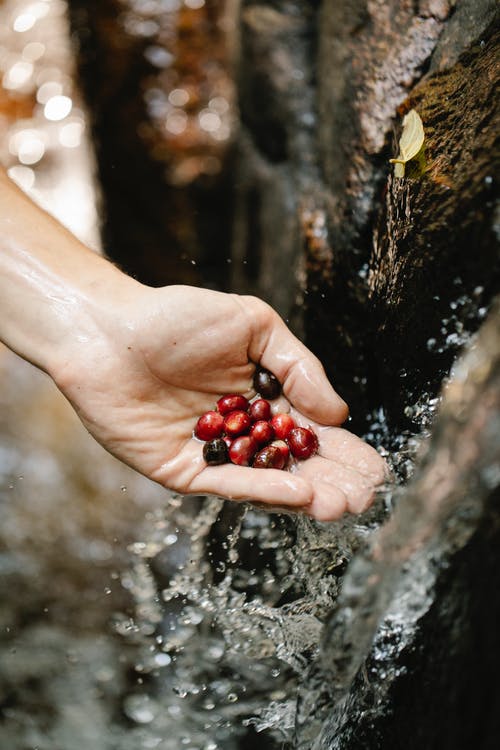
266 384
216 452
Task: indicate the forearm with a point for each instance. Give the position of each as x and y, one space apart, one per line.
54 291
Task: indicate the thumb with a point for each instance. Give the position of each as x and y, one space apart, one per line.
300 372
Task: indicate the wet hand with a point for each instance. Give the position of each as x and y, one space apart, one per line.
164 358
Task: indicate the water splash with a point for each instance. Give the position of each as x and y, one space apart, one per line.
236 601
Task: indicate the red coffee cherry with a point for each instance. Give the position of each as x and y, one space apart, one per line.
269 457
283 447
262 432
232 402
242 450
209 426
302 442
215 452
237 423
266 384
282 424
259 409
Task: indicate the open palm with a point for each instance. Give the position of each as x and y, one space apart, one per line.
169 354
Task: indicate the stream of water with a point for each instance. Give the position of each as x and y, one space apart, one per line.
233 602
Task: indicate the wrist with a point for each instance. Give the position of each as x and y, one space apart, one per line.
56 296
97 320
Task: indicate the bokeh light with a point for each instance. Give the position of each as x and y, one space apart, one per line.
57 107
43 141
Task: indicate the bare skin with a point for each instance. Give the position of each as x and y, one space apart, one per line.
140 365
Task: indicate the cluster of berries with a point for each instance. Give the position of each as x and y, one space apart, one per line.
248 434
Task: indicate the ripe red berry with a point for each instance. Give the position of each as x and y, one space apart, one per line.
232 402
282 424
262 432
302 442
283 447
209 426
269 457
266 384
242 450
259 409
216 452
237 423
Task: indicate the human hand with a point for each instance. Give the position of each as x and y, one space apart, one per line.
163 358
140 365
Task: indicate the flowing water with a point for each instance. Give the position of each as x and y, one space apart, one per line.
199 634
234 602
196 635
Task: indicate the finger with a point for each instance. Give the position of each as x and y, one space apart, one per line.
270 486
344 447
348 449
303 421
359 490
187 472
329 502
301 373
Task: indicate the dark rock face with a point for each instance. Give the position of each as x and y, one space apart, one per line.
435 237
410 657
325 209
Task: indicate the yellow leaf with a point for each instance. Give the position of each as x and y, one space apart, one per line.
411 141
399 169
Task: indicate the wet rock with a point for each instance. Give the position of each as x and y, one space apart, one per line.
410 656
